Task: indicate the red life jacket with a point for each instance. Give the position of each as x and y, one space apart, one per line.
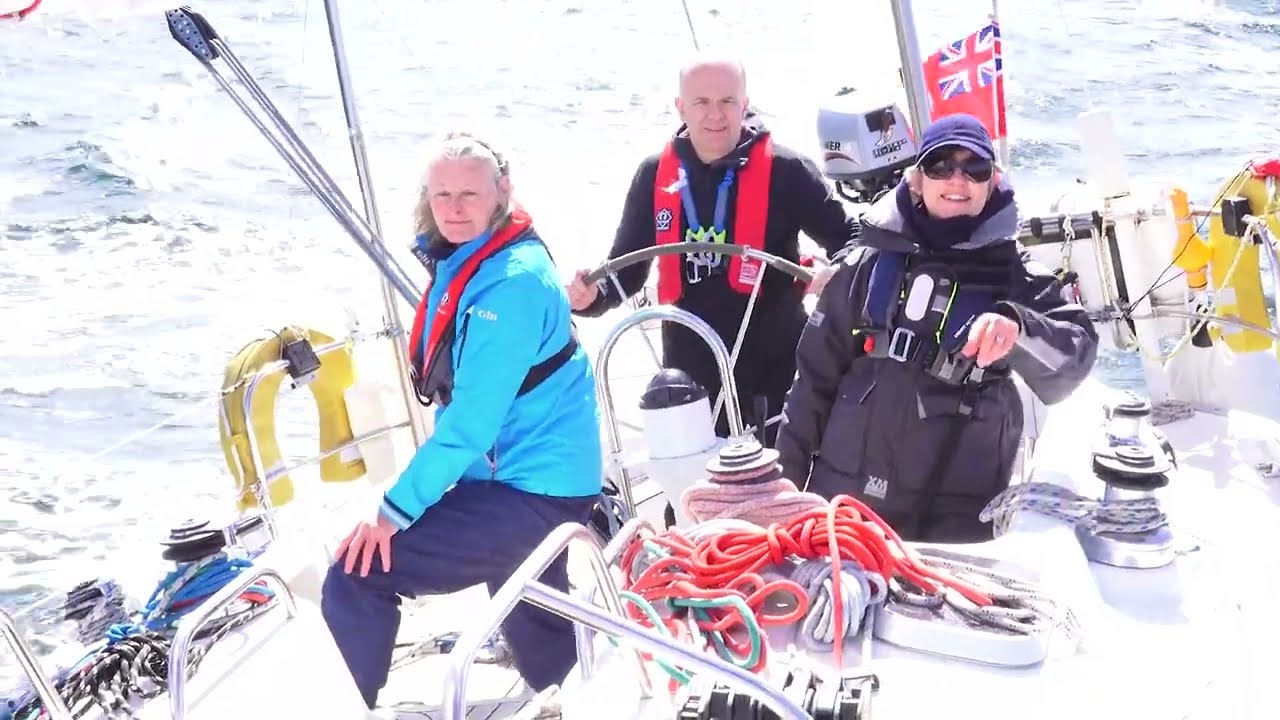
751 214
433 380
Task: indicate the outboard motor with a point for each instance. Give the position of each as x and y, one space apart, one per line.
679 434
1133 459
866 144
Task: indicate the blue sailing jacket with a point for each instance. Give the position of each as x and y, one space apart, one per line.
512 315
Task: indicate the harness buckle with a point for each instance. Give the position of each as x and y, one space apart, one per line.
901 344
953 369
696 268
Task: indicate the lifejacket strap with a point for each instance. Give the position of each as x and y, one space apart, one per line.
545 369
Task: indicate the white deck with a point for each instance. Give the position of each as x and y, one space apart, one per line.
1188 640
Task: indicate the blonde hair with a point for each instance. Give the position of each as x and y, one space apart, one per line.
457 146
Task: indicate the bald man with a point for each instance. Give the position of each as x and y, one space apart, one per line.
722 178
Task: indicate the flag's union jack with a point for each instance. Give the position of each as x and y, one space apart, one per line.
963 59
968 76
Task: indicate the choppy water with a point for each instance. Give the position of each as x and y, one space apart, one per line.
148 231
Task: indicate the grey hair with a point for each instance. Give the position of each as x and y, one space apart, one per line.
456 146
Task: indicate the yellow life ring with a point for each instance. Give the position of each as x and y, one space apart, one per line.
1241 294
335 375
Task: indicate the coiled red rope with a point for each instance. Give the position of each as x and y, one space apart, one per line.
729 564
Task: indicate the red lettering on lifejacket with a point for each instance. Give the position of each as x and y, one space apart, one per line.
751 215
518 224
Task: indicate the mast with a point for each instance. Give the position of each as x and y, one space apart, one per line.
1003 143
390 307
904 26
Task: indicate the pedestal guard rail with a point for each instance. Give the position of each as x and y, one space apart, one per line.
196 620
54 707
522 586
609 416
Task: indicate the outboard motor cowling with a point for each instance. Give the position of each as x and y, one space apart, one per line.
866 144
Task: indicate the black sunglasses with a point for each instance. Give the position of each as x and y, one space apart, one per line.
974 168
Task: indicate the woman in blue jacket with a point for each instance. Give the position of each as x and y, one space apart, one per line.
516 449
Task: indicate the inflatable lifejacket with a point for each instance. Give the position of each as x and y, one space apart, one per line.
673 199
920 310
243 428
431 344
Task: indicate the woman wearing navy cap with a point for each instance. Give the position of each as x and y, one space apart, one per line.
903 396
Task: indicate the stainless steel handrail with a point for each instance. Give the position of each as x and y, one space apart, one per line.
626 534
629 531
1229 320
504 601
524 586
718 349
683 655
261 487
1260 234
372 434
1263 233
192 623
54 706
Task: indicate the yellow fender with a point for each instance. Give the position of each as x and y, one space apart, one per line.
1191 254
336 374
1241 294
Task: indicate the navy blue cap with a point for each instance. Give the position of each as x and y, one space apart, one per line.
958 130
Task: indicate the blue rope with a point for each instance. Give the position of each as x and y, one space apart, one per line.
181 590
186 586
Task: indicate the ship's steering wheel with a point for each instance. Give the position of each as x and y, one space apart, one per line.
795 270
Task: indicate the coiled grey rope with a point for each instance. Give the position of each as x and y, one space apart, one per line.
860 590
1055 501
1171 410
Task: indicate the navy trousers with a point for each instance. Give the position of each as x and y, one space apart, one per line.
479 532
